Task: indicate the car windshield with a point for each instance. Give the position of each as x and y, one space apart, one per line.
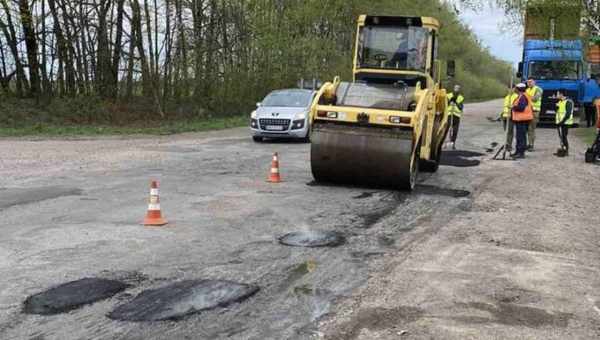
555 70
397 48
288 99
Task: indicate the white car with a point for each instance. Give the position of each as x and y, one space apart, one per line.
282 114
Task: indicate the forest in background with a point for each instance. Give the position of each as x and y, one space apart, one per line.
120 62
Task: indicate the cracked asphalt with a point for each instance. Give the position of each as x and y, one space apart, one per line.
481 250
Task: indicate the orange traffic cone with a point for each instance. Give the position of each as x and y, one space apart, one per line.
154 216
274 176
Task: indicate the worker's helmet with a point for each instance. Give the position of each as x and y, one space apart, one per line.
457 88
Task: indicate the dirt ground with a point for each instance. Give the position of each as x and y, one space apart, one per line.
481 250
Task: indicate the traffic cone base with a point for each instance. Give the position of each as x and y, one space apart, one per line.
154 221
154 216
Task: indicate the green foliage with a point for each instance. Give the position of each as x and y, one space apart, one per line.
242 50
150 128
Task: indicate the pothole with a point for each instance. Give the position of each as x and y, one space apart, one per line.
364 195
20 196
181 299
460 158
313 239
433 190
517 315
72 295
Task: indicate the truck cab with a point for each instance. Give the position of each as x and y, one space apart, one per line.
556 66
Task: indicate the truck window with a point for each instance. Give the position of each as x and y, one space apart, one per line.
555 70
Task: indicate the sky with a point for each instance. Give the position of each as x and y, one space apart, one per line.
489 25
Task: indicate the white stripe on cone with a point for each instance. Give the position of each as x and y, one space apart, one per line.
154 192
154 206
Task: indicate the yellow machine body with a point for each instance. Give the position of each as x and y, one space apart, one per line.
391 119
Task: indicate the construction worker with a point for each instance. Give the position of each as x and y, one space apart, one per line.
510 98
564 120
522 115
535 93
455 109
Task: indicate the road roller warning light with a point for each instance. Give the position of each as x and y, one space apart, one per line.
390 121
154 214
274 175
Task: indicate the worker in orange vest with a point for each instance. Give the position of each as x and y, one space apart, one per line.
522 115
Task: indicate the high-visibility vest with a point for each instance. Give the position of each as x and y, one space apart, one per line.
561 112
527 114
537 104
508 104
453 108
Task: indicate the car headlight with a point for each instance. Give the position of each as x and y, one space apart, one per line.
301 115
253 115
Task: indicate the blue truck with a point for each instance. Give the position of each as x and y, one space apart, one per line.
554 55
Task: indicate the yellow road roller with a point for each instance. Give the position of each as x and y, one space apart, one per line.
390 122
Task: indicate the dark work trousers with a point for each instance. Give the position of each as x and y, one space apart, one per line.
455 124
564 136
522 128
589 116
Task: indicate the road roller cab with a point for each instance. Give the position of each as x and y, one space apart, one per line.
390 120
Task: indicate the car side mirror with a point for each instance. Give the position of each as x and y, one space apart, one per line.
451 69
520 71
259 104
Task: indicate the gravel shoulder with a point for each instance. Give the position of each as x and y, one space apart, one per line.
520 263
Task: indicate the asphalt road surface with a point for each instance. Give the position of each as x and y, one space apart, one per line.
481 250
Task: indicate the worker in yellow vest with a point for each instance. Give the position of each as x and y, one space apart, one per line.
564 120
535 93
510 98
456 105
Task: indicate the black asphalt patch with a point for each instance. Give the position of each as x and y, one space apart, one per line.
181 299
364 195
462 153
10 197
72 295
433 190
460 158
313 239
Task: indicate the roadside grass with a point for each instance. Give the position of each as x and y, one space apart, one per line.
587 135
167 128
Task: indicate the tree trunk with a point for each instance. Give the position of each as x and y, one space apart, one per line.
114 80
8 29
31 45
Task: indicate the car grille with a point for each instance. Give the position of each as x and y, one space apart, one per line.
285 123
550 103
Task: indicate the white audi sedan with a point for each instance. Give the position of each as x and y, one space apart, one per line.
282 114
